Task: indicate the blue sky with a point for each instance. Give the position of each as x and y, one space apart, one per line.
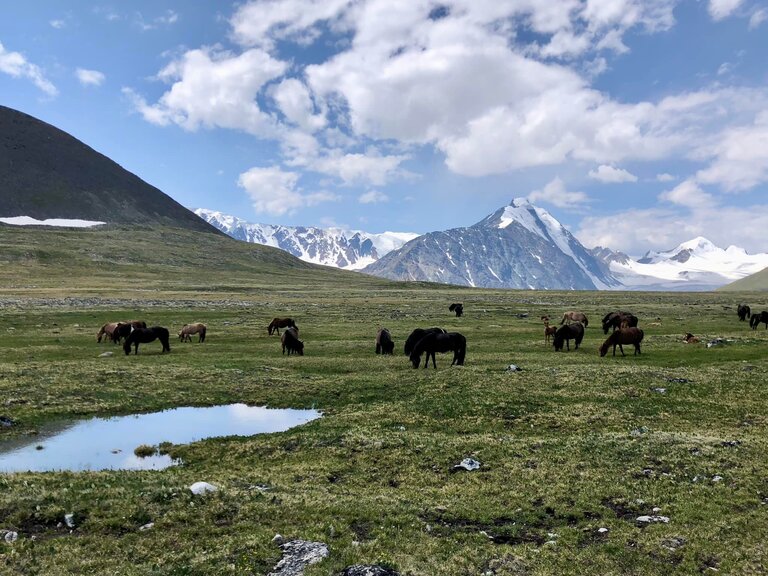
637 123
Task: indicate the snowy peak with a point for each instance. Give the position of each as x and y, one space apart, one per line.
349 249
698 247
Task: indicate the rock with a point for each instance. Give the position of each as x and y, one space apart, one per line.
277 539
368 570
638 431
660 390
199 488
717 478
673 543
602 530
468 464
514 368
11 537
147 526
652 519
730 443
69 520
106 354
297 555
5 422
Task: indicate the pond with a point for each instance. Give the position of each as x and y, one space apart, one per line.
108 443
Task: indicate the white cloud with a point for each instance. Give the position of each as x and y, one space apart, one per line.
720 9
167 19
357 168
57 24
688 193
90 77
373 197
665 177
758 17
295 102
16 65
276 192
610 174
556 194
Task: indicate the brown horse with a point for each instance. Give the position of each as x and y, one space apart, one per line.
278 323
107 331
549 332
290 341
185 334
574 316
384 342
690 338
622 336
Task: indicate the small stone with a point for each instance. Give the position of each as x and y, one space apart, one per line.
11 537
147 526
652 519
106 354
468 464
69 520
368 570
277 539
297 555
717 478
199 488
656 510
514 368
602 530
660 390
5 422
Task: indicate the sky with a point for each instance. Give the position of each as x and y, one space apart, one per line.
638 124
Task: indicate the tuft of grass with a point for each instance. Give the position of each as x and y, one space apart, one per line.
144 451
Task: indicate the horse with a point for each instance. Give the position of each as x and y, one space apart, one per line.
290 341
144 335
549 332
757 318
623 336
458 308
439 342
575 316
185 334
384 342
124 329
107 331
566 333
743 312
690 339
278 323
417 335
614 320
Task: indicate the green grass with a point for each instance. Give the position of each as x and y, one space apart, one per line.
570 444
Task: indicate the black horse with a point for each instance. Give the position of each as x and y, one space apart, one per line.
756 319
290 341
384 342
439 342
144 335
124 329
417 335
458 308
616 319
743 312
566 333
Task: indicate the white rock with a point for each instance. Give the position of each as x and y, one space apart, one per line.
11 537
468 464
602 530
106 354
652 519
147 526
277 539
717 478
69 520
199 488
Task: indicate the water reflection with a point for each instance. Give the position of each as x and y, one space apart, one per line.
108 443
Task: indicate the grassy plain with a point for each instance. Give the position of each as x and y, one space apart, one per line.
570 444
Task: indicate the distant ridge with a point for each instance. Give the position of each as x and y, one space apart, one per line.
757 282
47 173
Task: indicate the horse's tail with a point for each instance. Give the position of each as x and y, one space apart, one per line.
564 318
586 321
101 333
461 353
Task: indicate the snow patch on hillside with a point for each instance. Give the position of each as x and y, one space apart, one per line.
62 222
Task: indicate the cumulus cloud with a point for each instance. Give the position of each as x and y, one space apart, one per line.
720 9
611 174
276 192
373 197
90 77
555 193
688 193
57 24
16 65
758 17
665 177
295 102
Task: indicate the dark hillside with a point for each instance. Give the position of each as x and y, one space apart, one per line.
46 173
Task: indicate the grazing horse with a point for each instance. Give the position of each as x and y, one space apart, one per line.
144 335
549 332
124 329
615 319
623 336
757 318
417 335
278 323
107 331
290 341
566 333
690 339
185 334
439 342
574 316
743 312
458 308
384 342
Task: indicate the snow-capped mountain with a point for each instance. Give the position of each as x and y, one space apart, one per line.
518 246
693 265
350 249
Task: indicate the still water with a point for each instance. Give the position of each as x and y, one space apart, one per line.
108 443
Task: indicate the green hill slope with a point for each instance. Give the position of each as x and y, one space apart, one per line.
46 173
757 282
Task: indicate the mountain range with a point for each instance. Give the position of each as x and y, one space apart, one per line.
518 246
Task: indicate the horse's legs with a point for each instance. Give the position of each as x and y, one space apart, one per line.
434 364
622 350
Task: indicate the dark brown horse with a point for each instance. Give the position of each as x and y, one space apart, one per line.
439 342
615 319
458 308
107 331
185 334
144 335
567 333
417 335
622 336
574 316
124 329
290 341
278 323
384 342
743 312
756 319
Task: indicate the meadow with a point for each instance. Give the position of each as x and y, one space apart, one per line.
573 447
